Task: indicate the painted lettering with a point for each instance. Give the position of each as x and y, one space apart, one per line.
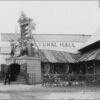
57 44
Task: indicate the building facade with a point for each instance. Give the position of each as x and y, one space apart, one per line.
59 42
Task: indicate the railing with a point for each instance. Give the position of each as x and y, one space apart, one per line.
31 78
2 76
18 77
24 78
71 80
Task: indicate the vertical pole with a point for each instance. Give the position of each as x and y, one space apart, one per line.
94 67
34 78
86 68
53 68
87 76
68 68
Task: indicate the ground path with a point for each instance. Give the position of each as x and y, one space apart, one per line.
37 92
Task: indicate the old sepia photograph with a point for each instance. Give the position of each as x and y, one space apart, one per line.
50 50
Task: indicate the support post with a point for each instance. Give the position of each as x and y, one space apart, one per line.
94 67
86 68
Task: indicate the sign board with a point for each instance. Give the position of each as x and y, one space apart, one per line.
61 46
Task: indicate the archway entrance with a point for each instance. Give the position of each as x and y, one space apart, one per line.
15 70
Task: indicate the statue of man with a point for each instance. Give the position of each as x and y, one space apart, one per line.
24 50
12 48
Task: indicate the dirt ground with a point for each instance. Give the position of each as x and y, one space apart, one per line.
38 92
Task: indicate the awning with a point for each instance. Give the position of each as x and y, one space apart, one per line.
57 56
92 55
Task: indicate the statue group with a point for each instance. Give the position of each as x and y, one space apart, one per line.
24 46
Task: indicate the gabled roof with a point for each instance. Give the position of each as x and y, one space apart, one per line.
94 38
92 55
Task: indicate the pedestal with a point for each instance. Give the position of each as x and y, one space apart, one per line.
33 67
34 70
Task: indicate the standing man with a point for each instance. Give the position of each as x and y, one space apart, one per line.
8 77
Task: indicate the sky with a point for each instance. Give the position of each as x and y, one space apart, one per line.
52 17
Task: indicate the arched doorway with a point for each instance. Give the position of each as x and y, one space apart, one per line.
15 70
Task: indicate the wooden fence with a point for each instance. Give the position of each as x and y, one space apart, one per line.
71 80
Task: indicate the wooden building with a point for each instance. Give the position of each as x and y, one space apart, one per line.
90 54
